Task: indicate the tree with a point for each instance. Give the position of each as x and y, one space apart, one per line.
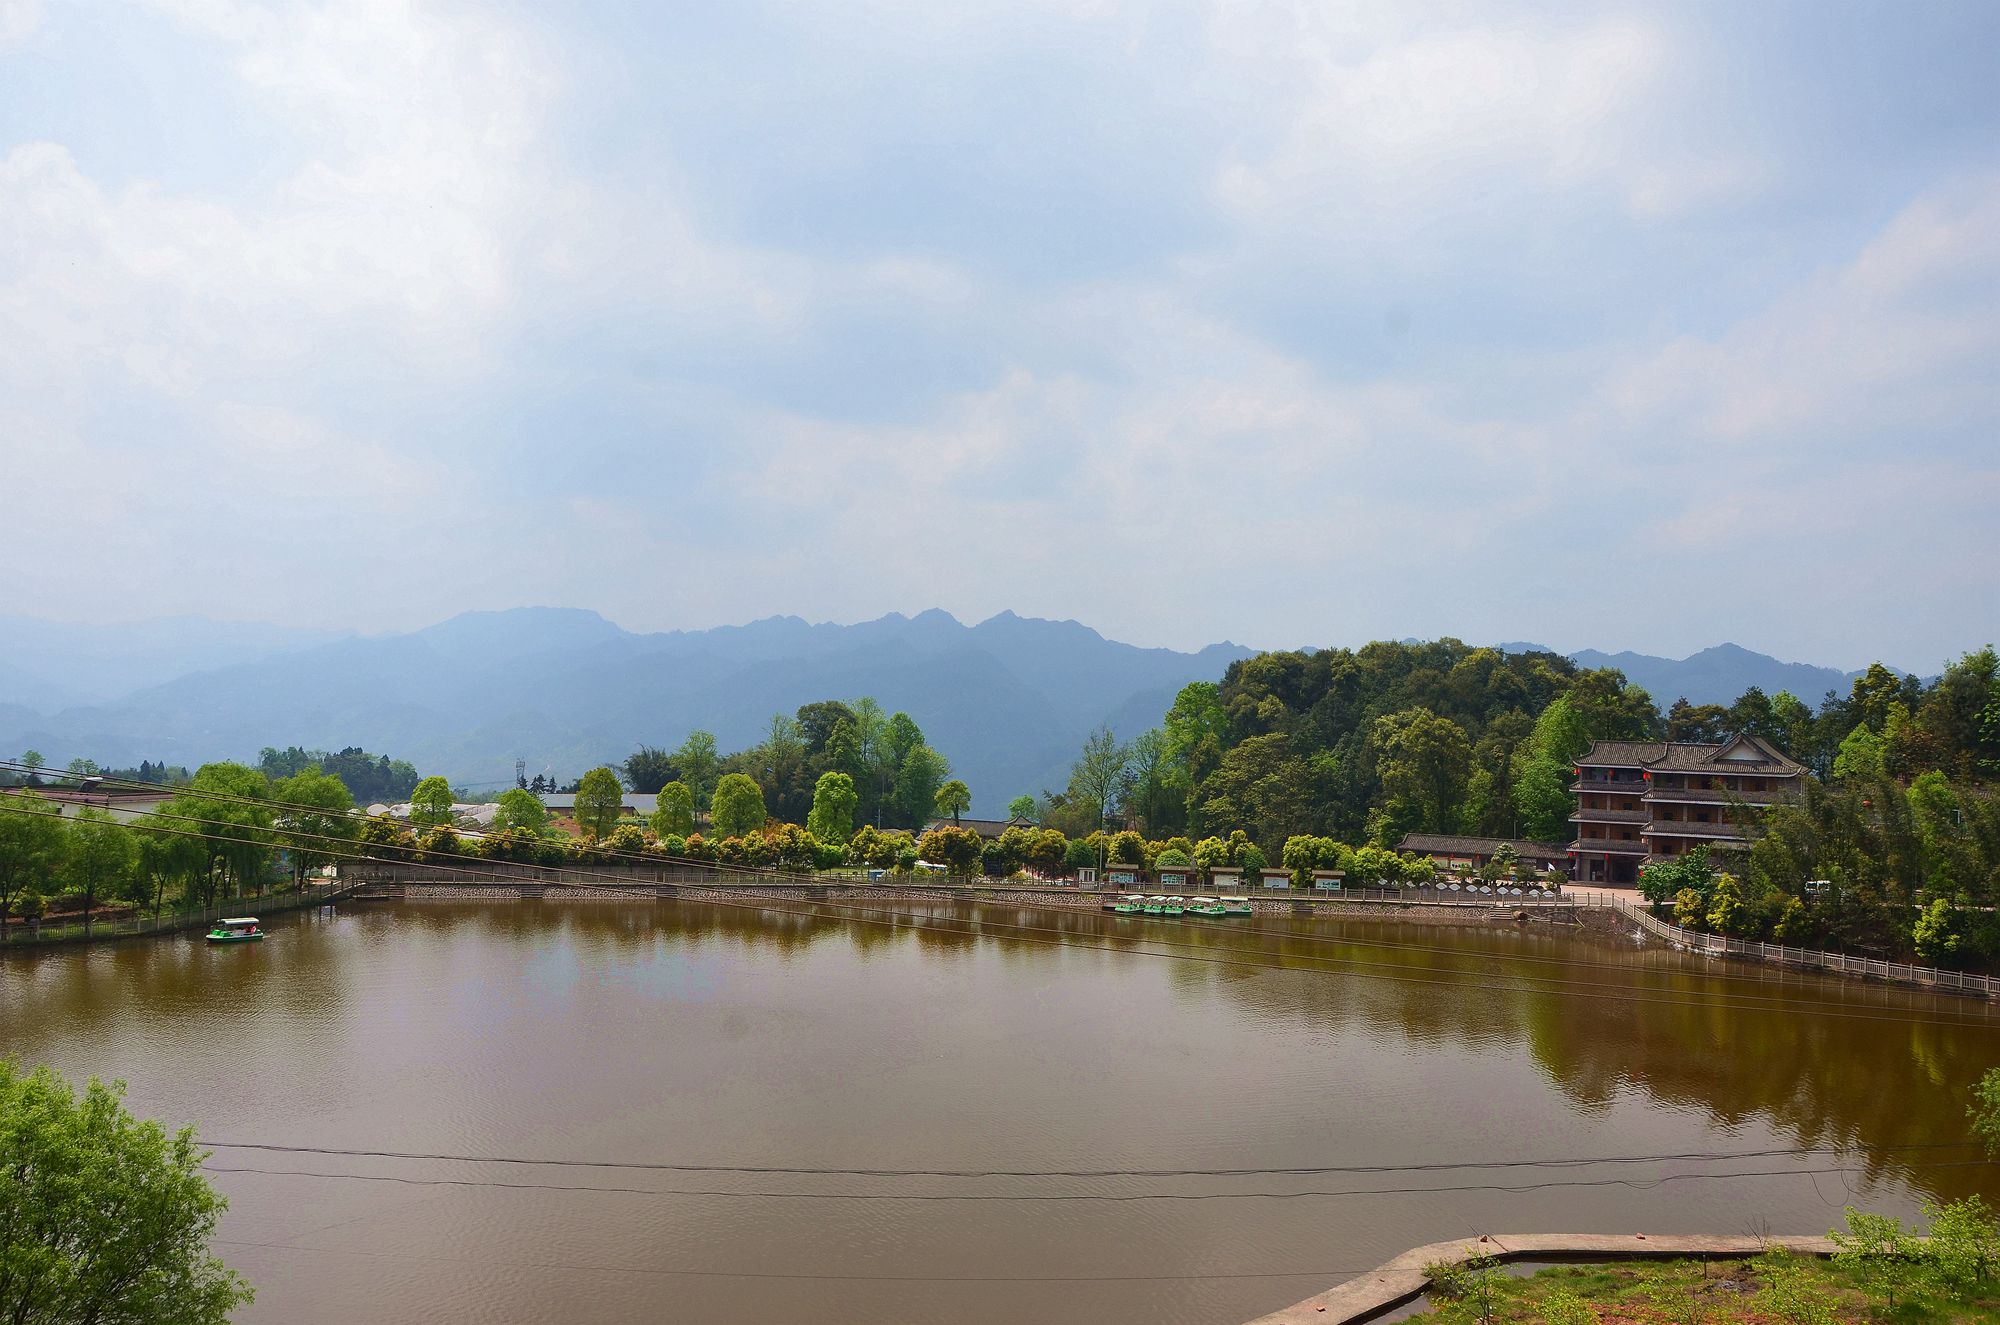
834 799
1883 1255
1022 808
648 769
957 849
98 859
673 811
103 1217
1935 934
1424 759
431 802
1862 757
1665 880
600 800
519 808
1726 912
227 804
737 806
698 764
1154 793
314 819
953 798
31 843
922 772
1097 778
33 763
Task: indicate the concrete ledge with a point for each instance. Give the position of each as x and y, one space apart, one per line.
1401 1280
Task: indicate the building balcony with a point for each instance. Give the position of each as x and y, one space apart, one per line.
1715 796
1600 786
1608 846
1705 832
1586 815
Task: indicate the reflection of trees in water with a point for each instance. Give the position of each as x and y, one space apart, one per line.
1857 1085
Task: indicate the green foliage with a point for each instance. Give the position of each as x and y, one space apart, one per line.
431 802
31 844
1690 909
1024 808
1985 1110
953 799
1793 1292
1727 913
103 1217
737 806
97 861
1936 932
834 802
1098 777
1666 880
648 769
673 811
368 778
1675 1290
520 809
1467 1290
1885 1258
957 849
600 800
699 765
1126 848
315 819
1561 1307
1963 1246
1171 859
920 774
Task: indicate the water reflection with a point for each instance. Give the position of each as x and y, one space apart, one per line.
965 1036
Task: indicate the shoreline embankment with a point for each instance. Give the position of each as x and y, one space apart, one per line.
1406 1278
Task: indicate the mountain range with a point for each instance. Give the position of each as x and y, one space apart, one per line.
1008 700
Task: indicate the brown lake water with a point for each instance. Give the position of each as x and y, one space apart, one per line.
1451 1062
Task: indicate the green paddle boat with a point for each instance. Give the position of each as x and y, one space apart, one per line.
237 929
1236 906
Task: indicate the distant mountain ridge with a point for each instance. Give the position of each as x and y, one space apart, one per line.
1008 700
1716 675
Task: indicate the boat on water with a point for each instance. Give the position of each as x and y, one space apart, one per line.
1131 904
1173 906
1205 906
1236 906
236 929
1154 906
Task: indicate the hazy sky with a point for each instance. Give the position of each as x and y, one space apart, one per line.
1629 328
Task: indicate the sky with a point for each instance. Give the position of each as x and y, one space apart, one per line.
1627 328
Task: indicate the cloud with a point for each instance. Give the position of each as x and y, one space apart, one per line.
18 21
1188 319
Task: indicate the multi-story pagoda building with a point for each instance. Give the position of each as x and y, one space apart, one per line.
1641 801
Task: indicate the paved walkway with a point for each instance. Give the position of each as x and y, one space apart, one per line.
1398 1281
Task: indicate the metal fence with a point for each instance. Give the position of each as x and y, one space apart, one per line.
64 929
1720 945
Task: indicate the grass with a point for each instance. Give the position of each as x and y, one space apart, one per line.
1773 1290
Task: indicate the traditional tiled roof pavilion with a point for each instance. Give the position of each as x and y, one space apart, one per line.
1640 801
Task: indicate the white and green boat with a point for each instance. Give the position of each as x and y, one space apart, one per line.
236 929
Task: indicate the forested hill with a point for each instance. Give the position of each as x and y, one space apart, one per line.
1371 743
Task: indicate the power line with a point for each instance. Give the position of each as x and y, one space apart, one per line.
1577 1161
812 1278
1635 1184
898 919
